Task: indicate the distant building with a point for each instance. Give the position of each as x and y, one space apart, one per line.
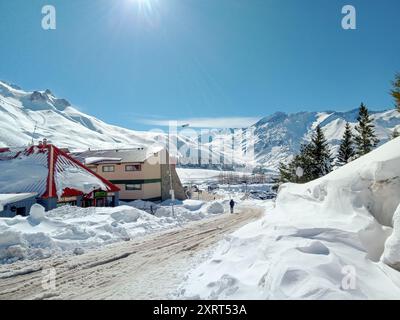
56 178
140 173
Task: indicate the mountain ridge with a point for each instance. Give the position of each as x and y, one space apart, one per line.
277 137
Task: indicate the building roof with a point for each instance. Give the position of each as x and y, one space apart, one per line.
9 198
49 172
138 155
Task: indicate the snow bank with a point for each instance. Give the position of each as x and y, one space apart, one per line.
73 229
215 208
187 210
329 239
391 254
42 234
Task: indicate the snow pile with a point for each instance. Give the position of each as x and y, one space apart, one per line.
71 229
215 208
391 254
74 229
187 210
329 239
36 214
147 206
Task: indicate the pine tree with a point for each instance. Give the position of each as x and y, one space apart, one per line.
365 138
396 90
303 162
313 161
285 174
346 150
395 134
319 155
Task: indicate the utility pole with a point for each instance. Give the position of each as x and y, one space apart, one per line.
171 188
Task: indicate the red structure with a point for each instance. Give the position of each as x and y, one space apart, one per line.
55 176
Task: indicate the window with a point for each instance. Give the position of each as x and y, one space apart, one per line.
133 187
21 211
108 168
134 167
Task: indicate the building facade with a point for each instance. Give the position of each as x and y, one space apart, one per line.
139 173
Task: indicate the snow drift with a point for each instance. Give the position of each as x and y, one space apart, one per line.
73 230
332 238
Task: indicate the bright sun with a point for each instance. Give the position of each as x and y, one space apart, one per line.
143 4
146 10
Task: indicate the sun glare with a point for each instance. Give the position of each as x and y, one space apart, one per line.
144 7
142 3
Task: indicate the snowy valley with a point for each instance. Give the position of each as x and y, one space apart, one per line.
337 237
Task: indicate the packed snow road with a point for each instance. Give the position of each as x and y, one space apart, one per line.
150 268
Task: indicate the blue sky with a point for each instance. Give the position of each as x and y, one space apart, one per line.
137 64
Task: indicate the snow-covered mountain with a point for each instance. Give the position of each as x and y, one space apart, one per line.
58 121
279 136
276 137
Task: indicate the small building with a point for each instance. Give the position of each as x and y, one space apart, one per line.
56 178
140 173
16 204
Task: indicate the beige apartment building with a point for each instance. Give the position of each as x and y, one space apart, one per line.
138 172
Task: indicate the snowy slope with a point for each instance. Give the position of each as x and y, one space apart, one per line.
277 137
332 238
59 121
280 135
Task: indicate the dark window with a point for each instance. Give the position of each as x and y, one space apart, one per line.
108 168
134 167
133 187
21 211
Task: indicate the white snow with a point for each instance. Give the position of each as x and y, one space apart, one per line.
13 197
73 230
215 208
329 239
91 160
24 174
77 179
391 254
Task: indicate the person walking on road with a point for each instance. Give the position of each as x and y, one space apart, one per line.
232 205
